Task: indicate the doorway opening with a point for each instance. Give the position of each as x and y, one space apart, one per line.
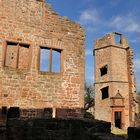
118 120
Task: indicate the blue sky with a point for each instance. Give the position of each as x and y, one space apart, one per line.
100 17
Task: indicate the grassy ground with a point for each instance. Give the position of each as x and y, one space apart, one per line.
119 132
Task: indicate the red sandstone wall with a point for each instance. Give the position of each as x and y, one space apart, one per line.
34 23
107 51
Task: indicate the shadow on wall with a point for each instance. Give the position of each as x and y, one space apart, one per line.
55 129
16 112
39 124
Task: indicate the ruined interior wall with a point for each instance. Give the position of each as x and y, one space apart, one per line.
35 23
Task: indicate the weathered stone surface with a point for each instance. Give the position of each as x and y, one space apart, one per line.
28 25
117 57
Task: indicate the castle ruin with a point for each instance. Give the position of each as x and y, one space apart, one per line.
42 65
41 60
115 86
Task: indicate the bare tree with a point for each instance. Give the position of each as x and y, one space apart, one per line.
89 96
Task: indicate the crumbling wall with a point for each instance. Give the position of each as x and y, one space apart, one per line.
28 25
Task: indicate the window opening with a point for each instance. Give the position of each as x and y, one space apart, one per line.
24 56
17 55
11 55
50 60
56 61
44 59
104 70
105 92
118 38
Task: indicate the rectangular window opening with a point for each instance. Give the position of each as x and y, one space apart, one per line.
17 55
118 38
24 56
50 60
44 59
104 70
105 92
11 55
56 56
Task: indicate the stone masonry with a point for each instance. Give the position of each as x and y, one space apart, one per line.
114 81
26 28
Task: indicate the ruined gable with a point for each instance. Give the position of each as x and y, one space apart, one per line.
26 27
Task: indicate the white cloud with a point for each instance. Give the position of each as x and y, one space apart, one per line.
89 16
126 23
93 20
90 19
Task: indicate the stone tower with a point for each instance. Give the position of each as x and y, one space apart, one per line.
114 81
